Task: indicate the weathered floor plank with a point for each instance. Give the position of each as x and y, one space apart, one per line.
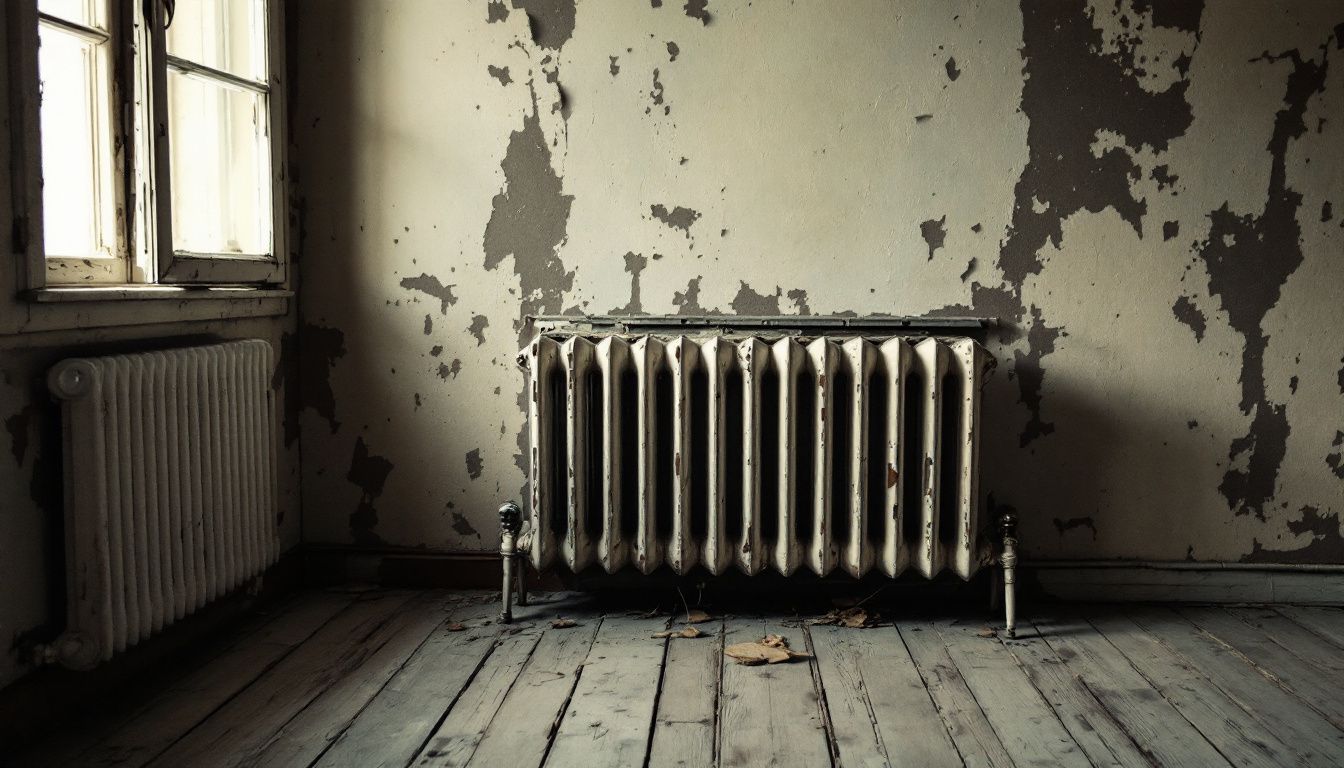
971 732
610 714
1095 731
1241 739
188 702
521 730
684 724
456 738
243 724
1313 685
880 710
1301 642
1325 622
1149 719
1027 727
1280 711
401 716
770 714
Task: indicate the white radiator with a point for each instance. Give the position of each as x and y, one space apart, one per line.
170 487
831 452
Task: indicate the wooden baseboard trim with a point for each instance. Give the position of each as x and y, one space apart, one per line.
1185 582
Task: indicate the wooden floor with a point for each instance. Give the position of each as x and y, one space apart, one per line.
425 678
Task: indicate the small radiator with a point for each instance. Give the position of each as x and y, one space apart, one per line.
828 452
170 488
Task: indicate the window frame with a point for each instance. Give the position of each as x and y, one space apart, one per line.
144 196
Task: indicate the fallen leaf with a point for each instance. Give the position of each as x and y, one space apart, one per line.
756 653
562 623
687 632
455 626
696 616
987 632
852 618
771 649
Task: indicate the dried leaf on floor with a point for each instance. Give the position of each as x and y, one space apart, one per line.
987 632
563 623
696 616
771 649
455 626
687 632
852 618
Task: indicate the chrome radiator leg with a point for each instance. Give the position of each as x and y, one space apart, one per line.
510 523
1008 524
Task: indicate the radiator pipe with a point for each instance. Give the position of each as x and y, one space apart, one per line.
510 523
1008 524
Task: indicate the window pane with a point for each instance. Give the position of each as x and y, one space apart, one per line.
220 167
67 69
78 11
228 35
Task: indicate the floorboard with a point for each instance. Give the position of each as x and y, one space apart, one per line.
386 679
769 714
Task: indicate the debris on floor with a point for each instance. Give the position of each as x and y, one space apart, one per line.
987 632
455 626
771 649
697 616
563 623
854 618
688 632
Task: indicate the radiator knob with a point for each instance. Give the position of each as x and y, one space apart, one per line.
71 379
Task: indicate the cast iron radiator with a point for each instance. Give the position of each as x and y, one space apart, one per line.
784 451
170 488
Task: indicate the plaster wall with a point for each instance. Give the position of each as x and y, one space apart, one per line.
1147 195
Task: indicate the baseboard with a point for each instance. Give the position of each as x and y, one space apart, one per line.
1111 581
1074 580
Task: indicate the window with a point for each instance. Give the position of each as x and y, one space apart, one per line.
156 121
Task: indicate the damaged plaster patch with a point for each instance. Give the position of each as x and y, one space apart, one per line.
20 433
1076 90
614 68
1326 545
475 465
1030 375
499 73
528 219
477 328
496 11
1064 526
1249 258
1186 311
634 264
688 303
1170 229
952 72
430 286
679 217
319 348
446 371
749 302
672 51
656 95
697 9
429 325
462 527
799 298
369 472
1335 460
934 233
551 21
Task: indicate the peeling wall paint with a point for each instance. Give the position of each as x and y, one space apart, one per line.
1142 193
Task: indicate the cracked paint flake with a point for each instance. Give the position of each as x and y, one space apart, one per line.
1249 257
431 286
697 9
634 264
1185 311
550 21
477 328
934 233
319 349
680 217
369 472
499 73
749 302
475 465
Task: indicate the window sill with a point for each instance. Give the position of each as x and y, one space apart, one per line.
60 294
56 309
